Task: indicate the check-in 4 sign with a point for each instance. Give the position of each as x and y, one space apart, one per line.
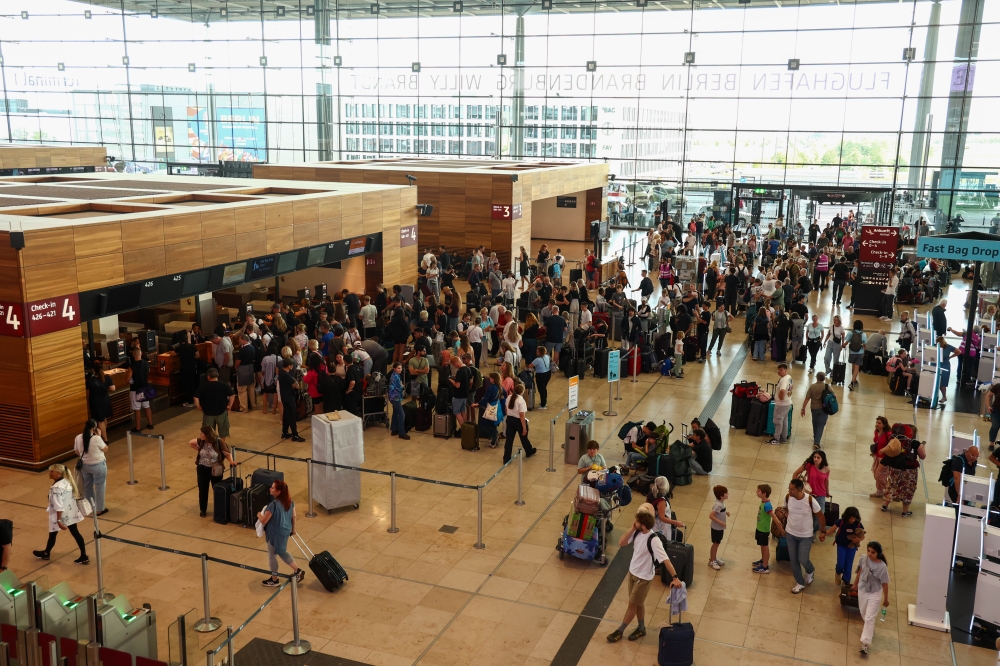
36 318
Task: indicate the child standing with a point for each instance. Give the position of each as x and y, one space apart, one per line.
718 518
850 532
679 357
872 586
764 516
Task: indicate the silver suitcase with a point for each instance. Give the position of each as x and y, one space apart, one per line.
444 425
529 398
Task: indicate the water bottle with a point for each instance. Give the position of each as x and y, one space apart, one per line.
884 611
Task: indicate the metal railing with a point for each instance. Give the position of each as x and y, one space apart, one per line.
393 475
131 463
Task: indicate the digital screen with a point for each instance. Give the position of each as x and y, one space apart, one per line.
234 273
123 299
317 255
565 202
357 246
262 268
195 283
288 262
337 251
161 290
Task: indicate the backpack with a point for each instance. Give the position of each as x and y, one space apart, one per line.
760 328
259 352
649 547
946 478
829 400
624 430
477 378
856 343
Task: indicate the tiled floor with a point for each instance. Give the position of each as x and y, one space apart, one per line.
429 596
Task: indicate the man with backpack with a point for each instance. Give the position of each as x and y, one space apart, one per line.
640 442
964 463
648 551
815 398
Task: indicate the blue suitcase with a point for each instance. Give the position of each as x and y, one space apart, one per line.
676 644
769 428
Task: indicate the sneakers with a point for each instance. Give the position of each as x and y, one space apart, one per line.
296 438
270 582
614 636
772 441
637 634
83 559
885 508
906 514
40 554
759 569
720 562
300 575
810 578
285 436
758 563
715 565
798 588
864 648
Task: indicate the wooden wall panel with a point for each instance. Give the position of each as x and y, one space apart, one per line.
250 245
332 228
218 250
280 239
13 352
181 228
64 413
21 379
277 215
99 271
183 256
371 221
352 226
45 247
97 239
305 211
10 284
46 351
48 384
305 234
49 280
249 218
142 234
142 264
329 207
218 222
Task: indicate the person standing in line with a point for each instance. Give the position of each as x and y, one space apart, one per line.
782 405
907 332
214 399
90 446
939 320
543 372
663 519
517 423
397 426
841 271
720 322
98 387
222 354
834 343
799 532
208 463
244 366
879 471
278 519
647 552
871 579
855 341
889 296
64 513
718 516
138 380
287 387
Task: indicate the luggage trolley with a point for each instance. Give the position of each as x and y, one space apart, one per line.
593 547
374 403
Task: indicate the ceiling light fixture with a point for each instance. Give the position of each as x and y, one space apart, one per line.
502 60
279 11
591 65
375 8
546 5
224 12
87 14
61 67
153 13
191 67
24 15
337 61
793 64
263 61
456 6
689 58
310 10
415 67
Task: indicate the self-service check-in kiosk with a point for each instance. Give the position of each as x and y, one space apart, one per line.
986 613
975 496
960 441
930 375
13 601
120 626
936 556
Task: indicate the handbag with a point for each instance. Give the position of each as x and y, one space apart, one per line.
86 508
490 413
259 527
218 469
729 329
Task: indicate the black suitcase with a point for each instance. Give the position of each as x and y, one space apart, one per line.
757 418
690 349
803 354
326 569
866 362
470 437
424 419
740 412
601 362
409 416
265 476
839 373
648 361
664 346
580 367
846 597
245 504
878 366
443 403
221 498
575 274
676 647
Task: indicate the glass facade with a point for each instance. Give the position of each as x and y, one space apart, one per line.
677 97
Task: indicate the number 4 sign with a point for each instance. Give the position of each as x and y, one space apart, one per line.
52 314
12 320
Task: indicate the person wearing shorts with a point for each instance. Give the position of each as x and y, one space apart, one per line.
214 399
138 380
647 551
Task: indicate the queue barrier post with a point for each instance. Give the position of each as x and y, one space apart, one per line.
101 595
479 522
207 623
230 650
552 446
163 465
53 653
131 467
392 504
297 646
611 404
3 654
520 467
311 513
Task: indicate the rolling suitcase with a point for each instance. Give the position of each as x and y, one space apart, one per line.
575 274
222 497
832 512
839 371
265 476
803 354
326 569
682 557
663 347
690 349
470 437
409 416
444 425
739 413
424 419
848 598
781 552
245 504
769 424
529 398
676 646
757 418
601 362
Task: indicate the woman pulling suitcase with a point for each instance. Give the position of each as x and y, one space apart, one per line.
278 519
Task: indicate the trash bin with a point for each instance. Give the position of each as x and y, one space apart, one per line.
579 431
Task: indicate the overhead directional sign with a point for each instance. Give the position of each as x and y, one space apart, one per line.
958 248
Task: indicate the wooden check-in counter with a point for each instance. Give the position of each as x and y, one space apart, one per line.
92 244
473 202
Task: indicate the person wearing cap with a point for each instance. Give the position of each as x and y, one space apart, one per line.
362 357
222 354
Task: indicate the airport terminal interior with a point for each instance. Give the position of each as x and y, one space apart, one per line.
321 188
